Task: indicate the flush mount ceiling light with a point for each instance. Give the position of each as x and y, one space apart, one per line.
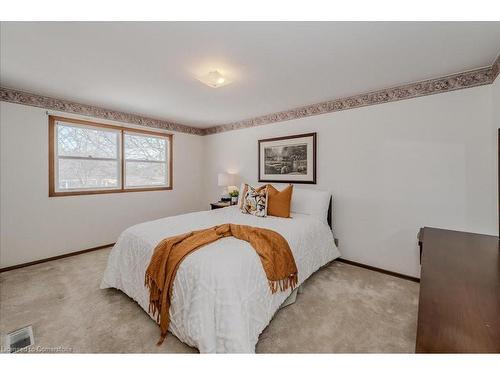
214 79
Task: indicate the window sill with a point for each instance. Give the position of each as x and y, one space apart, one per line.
93 192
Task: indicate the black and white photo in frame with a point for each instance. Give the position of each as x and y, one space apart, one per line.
288 159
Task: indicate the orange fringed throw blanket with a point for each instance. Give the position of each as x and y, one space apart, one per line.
273 250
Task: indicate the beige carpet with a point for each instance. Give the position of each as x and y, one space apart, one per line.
342 308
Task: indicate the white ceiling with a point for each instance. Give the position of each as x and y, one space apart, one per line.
150 68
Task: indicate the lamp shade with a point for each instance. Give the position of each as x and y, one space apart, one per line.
226 179
223 179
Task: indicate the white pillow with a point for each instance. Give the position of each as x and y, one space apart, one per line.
311 202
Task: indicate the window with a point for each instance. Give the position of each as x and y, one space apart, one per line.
92 158
145 160
88 158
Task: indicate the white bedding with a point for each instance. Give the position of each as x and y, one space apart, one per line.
221 299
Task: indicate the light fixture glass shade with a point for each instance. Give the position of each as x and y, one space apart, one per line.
214 79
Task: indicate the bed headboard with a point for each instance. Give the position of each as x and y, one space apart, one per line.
329 214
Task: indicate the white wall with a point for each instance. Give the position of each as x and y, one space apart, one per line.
392 169
496 126
496 104
34 226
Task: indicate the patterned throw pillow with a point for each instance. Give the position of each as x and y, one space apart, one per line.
254 201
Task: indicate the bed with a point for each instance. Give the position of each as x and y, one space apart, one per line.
221 300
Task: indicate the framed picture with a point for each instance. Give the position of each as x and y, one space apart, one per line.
288 159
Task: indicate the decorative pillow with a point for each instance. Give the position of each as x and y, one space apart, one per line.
311 202
278 202
254 200
242 191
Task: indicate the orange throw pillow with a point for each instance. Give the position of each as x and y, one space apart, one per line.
278 202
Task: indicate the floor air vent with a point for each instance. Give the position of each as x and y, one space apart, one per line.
17 340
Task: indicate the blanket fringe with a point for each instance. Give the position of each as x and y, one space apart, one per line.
162 338
283 284
154 299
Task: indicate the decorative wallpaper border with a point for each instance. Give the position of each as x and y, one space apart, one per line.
496 67
458 81
21 97
473 78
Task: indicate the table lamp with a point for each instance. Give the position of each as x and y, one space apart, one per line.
226 181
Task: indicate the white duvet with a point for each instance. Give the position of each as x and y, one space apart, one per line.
221 299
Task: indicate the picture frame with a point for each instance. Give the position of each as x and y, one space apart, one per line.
288 159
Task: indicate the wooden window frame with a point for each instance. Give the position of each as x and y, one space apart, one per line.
122 130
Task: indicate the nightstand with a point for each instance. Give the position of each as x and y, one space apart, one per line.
216 205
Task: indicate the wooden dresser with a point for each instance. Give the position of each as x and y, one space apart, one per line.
459 305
